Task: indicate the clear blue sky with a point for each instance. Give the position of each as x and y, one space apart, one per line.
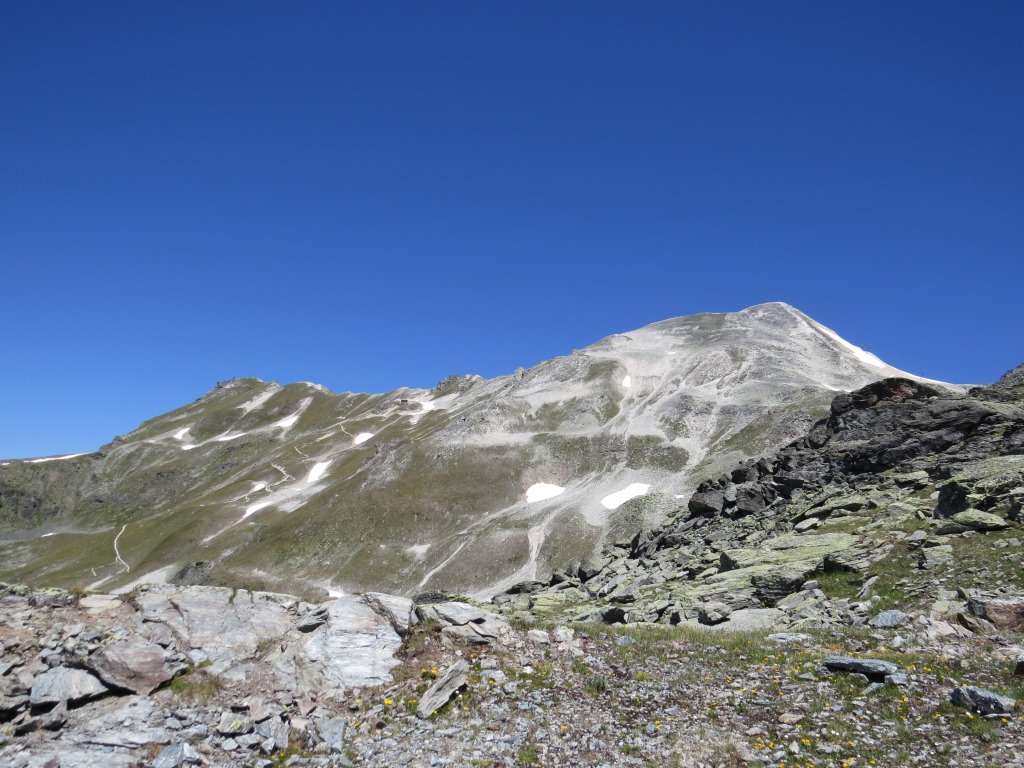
376 194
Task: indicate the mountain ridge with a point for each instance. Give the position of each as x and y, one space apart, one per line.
432 488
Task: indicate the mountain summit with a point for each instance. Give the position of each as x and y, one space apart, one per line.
473 485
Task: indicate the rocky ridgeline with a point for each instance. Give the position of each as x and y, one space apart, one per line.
902 482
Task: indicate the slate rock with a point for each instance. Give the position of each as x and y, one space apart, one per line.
232 723
981 700
709 502
177 755
438 694
889 619
332 732
274 730
135 665
355 648
872 668
65 684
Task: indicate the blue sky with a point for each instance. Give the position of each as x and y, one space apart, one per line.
374 195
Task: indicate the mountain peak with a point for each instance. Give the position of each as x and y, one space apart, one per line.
468 486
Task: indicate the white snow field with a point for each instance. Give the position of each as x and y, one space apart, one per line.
317 471
617 499
362 437
543 492
55 458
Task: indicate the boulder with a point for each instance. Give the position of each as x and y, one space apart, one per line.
1002 612
233 723
713 613
709 502
176 755
981 700
134 665
980 521
65 684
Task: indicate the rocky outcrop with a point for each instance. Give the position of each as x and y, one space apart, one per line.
897 466
101 677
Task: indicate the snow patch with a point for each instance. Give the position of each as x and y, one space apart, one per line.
542 492
47 534
188 447
254 508
617 499
55 458
257 401
288 421
627 382
180 434
158 576
317 471
361 438
865 357
226 437
335 593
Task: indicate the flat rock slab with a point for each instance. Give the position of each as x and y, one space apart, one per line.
981 700
980 521
873 668
227 625
889 619
65 684
437 695
103 724
134 665
355 648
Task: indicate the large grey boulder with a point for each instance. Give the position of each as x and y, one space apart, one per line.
135 665
981 700
65 684
980 521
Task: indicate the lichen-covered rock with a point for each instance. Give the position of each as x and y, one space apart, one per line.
980 521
